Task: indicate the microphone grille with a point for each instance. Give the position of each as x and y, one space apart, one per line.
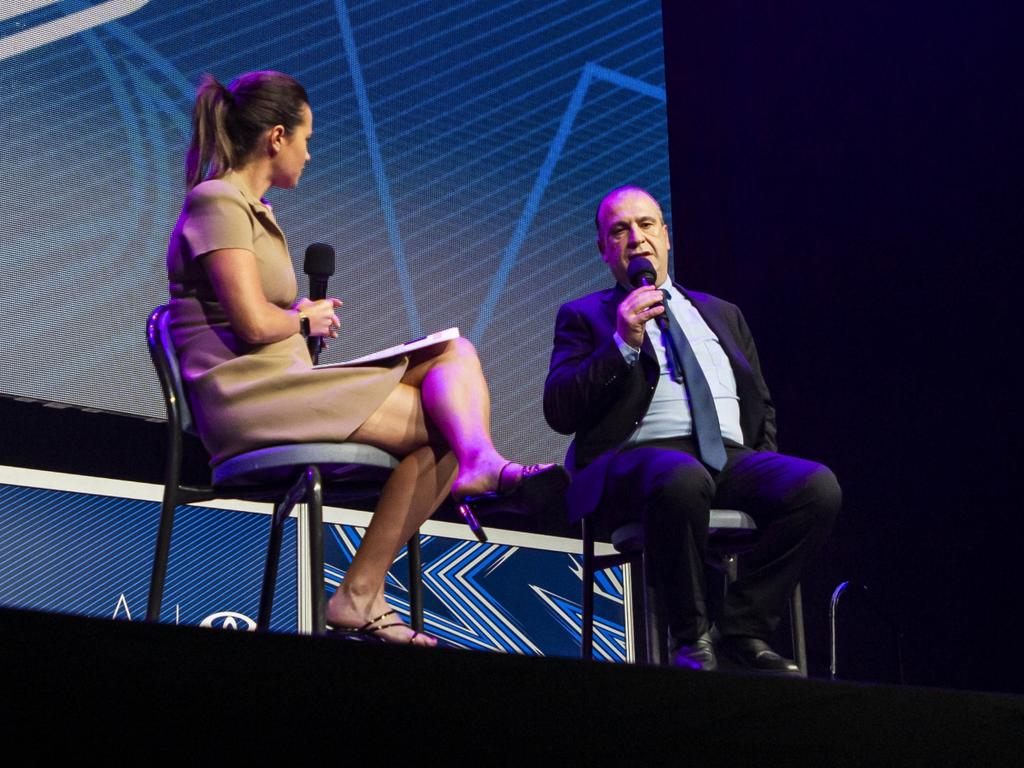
638 269
319 260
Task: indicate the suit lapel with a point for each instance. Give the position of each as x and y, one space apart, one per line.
726 335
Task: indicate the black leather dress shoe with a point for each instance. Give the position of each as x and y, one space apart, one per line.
755 655
698 655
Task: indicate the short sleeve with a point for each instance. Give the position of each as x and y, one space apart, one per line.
216 216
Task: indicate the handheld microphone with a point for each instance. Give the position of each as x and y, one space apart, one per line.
641 272
319 266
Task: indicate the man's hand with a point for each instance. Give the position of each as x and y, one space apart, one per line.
635 310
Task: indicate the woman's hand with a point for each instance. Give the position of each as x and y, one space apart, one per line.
236 281
322 319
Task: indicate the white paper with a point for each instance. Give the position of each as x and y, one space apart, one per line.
399 349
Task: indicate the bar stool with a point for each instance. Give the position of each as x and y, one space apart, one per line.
342 474
730 533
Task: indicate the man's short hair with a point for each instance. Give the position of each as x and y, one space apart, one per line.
617 190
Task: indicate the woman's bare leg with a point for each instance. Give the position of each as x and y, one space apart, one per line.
455 398
442 402
415 489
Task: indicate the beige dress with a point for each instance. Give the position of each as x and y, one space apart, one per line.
245 396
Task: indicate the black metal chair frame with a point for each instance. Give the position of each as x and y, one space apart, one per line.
730 533
344 474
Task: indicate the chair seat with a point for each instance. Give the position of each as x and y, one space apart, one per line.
351 472
725 525
726 520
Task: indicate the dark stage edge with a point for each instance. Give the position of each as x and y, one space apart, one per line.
85 686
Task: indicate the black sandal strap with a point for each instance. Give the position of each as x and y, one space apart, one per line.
367 626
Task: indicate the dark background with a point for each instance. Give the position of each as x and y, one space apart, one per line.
850 175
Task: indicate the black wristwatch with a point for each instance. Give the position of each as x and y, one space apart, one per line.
303 324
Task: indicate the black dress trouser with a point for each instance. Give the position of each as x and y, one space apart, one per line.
793 501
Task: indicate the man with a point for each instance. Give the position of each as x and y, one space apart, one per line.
663 438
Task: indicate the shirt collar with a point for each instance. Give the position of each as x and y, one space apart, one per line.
256 203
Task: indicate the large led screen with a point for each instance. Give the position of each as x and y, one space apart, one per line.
459 151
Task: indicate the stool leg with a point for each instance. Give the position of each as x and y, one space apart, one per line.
652 623
163 547
730 569
281 511
796 623
414 556
306 487
638 600
587 640
315 500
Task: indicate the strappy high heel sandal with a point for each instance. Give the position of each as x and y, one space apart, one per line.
368 632
538 488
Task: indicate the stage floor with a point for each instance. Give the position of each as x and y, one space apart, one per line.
100 686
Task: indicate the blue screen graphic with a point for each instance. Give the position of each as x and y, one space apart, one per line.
459 151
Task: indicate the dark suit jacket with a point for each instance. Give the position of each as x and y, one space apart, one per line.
591 390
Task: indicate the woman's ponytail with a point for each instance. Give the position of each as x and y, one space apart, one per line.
211 152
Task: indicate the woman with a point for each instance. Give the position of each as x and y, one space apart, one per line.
239 332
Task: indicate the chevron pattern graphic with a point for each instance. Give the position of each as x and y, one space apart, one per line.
492 597
497 597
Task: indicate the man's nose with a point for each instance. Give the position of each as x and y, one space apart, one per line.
635 234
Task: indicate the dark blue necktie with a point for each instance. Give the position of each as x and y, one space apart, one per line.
702 403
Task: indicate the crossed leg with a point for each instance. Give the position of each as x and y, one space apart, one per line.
438 421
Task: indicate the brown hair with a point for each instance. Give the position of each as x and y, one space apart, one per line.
228 122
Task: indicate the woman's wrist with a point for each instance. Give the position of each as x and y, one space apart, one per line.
303 324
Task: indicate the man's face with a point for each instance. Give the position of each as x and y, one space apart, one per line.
630 226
